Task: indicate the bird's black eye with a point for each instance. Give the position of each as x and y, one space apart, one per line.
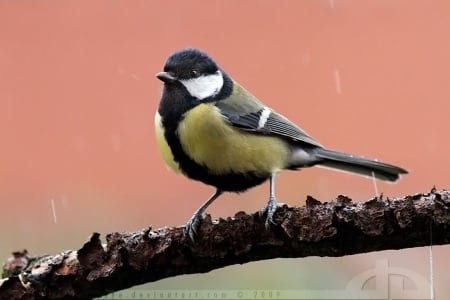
194 73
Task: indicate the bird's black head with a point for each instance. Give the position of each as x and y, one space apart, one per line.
196 73
190 63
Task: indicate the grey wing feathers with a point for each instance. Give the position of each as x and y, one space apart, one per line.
245 111
278 124
275 124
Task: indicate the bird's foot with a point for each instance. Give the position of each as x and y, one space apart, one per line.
269 211
192 226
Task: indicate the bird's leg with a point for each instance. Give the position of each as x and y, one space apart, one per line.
193 224
271 206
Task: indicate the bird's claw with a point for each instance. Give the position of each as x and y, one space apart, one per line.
191 227
269 211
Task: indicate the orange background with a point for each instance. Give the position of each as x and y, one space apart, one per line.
78 96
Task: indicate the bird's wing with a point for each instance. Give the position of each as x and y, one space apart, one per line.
266 121
245 111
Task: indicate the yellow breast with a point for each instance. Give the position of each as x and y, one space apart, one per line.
210 141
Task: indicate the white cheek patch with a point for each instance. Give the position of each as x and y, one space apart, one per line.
204 86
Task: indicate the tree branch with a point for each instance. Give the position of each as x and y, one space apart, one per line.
338 228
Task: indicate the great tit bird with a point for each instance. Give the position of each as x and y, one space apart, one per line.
210 129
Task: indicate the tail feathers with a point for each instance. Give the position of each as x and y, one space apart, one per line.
357 164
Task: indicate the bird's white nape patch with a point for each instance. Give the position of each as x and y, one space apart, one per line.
204 86
264 117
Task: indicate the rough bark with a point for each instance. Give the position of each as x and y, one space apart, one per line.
337 228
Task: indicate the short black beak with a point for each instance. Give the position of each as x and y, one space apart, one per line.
166 77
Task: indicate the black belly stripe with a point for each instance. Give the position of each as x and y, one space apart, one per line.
232 182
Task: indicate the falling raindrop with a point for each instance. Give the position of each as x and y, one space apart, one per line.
53 209
337 78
